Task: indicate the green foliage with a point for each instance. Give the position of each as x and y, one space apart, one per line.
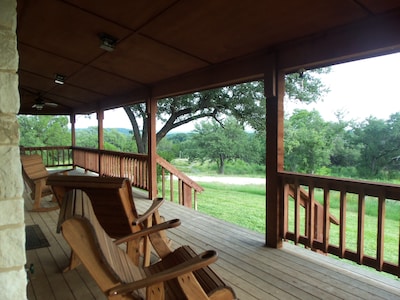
220 143
380 145
87 138
245 102
307 142
306 86
114 139
38 131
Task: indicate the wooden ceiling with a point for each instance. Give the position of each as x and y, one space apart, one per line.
170 47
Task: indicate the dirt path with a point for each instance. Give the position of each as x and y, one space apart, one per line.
229 179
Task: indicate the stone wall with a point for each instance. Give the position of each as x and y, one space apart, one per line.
12 229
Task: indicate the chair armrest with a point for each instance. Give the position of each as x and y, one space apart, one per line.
193 264
147 231
154 206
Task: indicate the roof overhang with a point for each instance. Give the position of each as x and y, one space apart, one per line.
167 48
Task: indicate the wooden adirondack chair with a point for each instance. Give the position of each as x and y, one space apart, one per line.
112 201
35 174
182 274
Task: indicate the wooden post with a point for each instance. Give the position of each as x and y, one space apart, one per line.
72 119
274 84
152 148
100 135
100 130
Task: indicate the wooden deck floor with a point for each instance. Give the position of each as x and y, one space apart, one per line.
254 271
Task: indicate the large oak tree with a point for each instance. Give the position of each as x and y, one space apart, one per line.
245 102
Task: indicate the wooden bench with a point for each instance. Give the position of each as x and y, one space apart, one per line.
35 174
114 206
182 274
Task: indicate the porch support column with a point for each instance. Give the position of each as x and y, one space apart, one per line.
274 84
72 119
152 147
100 130
100 137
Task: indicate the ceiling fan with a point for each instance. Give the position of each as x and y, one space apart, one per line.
40 104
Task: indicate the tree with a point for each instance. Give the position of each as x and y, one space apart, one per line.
307 142
113 139
345 151
37 131
216 143
380 144
245 102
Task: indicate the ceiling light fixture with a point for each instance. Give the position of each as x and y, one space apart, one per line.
59 79
108 42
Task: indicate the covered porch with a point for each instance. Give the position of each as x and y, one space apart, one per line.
254 271
149 52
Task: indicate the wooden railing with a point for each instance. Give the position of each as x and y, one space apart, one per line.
310 203
187 188
120 164
336 195
53 156
117 164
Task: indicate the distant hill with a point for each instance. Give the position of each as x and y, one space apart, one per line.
125 131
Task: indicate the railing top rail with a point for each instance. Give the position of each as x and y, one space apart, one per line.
369 188
114 153
44 147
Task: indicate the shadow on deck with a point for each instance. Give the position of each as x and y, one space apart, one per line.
254 271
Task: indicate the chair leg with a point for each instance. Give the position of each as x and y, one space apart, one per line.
74 261
37 197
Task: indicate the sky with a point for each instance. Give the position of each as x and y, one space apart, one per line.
360 89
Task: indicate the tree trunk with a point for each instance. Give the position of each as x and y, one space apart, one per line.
221 164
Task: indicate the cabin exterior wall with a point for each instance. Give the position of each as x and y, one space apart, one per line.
12 229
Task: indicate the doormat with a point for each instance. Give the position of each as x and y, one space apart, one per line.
35 238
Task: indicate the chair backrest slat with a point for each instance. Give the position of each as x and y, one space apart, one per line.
111 197
120 269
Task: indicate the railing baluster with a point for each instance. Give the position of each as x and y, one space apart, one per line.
163 182
296 212
360 228
326 225
381 233
180 197
171 186
342 225
311 216
285 222
195 200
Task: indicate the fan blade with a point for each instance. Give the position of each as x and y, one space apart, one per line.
38 106
51 104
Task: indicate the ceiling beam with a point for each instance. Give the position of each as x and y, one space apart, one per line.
372 37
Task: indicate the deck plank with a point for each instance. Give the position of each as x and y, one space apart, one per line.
253 270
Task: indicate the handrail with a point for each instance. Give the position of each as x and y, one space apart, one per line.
112 163
365 192
53 156
186 186
119 164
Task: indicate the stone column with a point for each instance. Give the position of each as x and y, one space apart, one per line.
12 229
